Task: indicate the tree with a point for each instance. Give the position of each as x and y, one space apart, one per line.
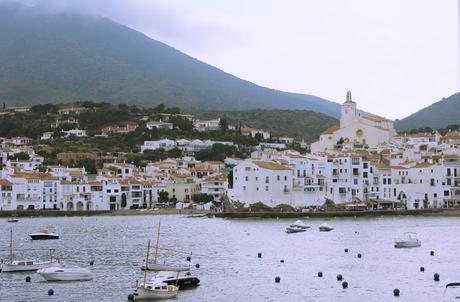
223 124
175 153
124 202
202 198
230 179
160 108
19 156
163 197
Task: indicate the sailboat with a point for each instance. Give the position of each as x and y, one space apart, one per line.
162 267
27 264
154 290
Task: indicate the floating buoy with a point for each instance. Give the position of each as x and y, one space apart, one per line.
436 277
28 279
259 255
346 250
344 284
422 269
189 258
281 261
50 292
197 265
396 292
359 255
432 253
130 297
277 279
320 274
91 262
339 277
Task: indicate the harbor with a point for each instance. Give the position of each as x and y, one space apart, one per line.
116 246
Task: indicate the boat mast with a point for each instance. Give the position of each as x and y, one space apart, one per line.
146 261
156 245
11 245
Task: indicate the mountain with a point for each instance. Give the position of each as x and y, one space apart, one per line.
300 124
438 115
65 57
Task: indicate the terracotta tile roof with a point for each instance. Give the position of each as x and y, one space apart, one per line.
5 182
270 165
331 129
422 165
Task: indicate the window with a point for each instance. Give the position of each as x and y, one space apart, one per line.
244 188
277 177
267 179
266 188
285 177
246 178
446 193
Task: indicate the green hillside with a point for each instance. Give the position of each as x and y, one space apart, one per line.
438 115
300 124
71 57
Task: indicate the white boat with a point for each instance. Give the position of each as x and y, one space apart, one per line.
299 224
153 291
26 265
44 234
408 240
13 219
292 229
452 292
325 228
65 274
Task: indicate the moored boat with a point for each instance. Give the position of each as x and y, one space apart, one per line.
451 292
299 224
155 291
325 228
183 280
66 274
408 240
44 235
165 267
27 265
291 230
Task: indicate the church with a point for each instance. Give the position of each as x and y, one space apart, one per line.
355 130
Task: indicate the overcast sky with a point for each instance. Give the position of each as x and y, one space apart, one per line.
396 56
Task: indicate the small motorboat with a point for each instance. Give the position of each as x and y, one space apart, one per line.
165 267
13 219
299 224
44 235
65 274
325 228
451 292
182 279
292 229
408 240
153 291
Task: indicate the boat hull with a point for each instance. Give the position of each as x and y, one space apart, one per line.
9 268
403 244
63 275
294 230
150 294
183 283
43 237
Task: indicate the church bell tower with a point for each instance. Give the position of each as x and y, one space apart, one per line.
348 111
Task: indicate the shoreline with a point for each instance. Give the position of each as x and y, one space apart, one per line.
235 215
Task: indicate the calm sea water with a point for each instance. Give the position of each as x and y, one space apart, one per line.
227 253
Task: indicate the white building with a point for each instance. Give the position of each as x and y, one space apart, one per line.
159 125
364 131
75 132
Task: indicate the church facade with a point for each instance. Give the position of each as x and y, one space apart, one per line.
355 130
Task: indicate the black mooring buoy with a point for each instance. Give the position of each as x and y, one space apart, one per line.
197 265
339 277
320 274
422 269
359 255
130 297
436 277
344 284
346 250
277 279
396 292
432 253
28 279
50 292
281 261
259 255
189 258
91 262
